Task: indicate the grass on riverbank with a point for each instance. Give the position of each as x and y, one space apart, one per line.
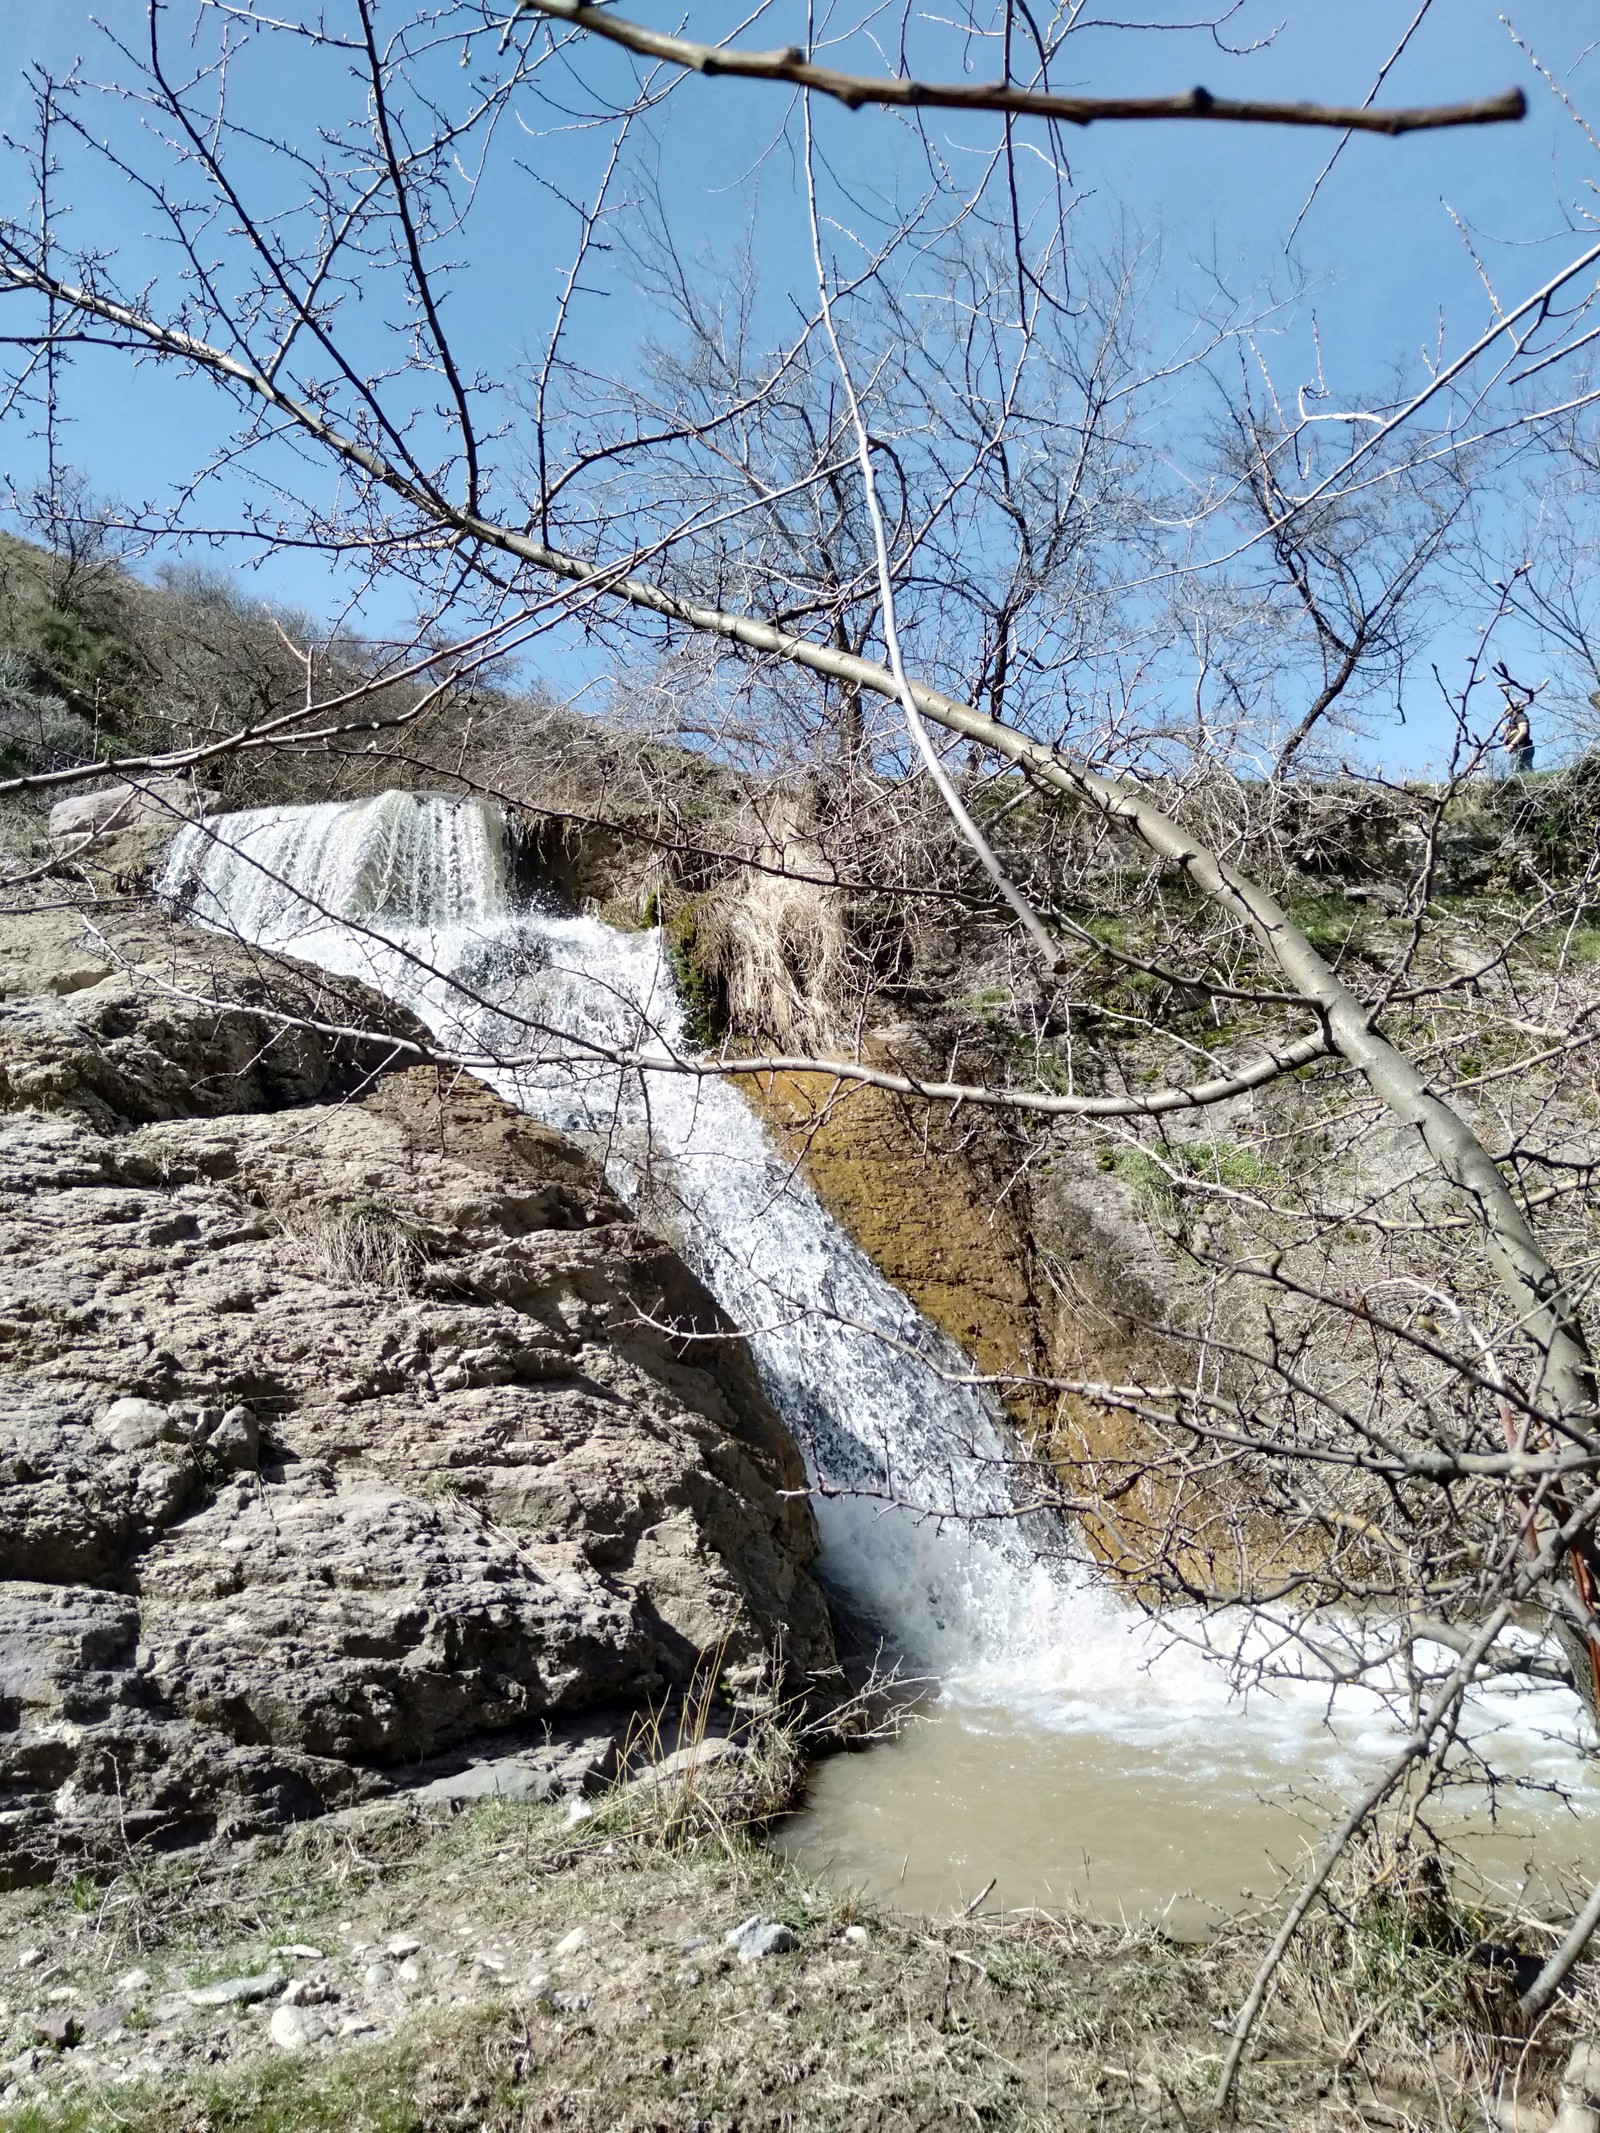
575 1976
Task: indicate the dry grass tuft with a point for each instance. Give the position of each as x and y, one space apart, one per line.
359 1244
778 949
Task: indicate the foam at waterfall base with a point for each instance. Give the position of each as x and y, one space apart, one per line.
916 1482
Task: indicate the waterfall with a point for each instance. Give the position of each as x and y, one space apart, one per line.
916 1485
411 893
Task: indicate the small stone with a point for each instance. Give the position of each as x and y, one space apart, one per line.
411 1972
490 1962
307 1992
296 1951
567 2002
30 1958
236 1440
195 1424
134 1425
60 2028
569 1943
755 1938
404 1944
356 2026
239 1991
857 1936
293 2029
377 1974
578 1811
132 1981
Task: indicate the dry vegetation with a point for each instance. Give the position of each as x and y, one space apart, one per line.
1397 2010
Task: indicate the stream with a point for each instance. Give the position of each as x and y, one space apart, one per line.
1063 1748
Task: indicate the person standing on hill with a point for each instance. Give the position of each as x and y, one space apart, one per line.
1518 742
1517 739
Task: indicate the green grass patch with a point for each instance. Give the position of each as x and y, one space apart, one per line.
1158 1183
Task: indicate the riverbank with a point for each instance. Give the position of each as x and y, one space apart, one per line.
508 1967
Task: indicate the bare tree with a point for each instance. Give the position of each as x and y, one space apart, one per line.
913 514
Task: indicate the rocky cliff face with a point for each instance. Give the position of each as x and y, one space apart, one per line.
354 1435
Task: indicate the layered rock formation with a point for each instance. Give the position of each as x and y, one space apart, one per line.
352 1429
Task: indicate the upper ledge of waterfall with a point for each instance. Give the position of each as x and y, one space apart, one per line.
346 1447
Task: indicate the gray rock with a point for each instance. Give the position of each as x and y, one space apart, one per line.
128 801
58 2027
684 1767
552 1772
755 1938
236 1440
308 1992
566 2002
295 2029
134 1425
377 1974
411 1972
188 1653
239 1991
404 1944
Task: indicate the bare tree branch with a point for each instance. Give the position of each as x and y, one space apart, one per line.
790 64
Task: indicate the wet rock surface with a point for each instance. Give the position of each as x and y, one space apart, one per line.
352 1438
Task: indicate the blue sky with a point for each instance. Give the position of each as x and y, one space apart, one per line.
1383 257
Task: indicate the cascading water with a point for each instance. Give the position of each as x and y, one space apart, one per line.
410 893
916 1487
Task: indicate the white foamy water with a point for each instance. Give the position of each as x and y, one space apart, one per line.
917 1487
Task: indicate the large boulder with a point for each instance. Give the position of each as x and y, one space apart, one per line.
119 805
343 1436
